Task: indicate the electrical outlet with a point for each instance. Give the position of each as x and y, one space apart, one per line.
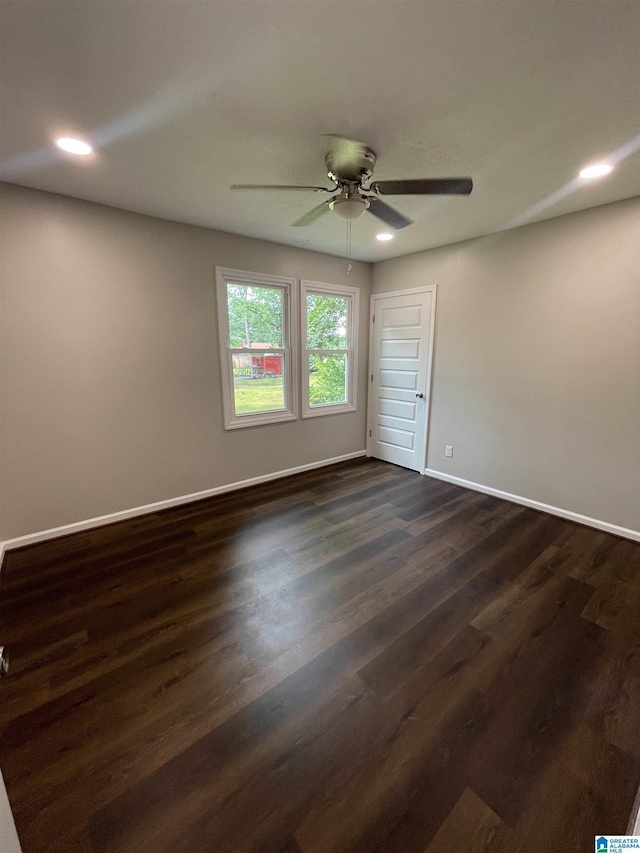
448 450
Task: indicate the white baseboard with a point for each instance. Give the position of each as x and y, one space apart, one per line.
633 827
76 527
625 532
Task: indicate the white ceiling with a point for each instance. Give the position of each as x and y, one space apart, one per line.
181 99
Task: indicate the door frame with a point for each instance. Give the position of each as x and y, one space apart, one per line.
427 288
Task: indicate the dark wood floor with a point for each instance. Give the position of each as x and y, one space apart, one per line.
354 659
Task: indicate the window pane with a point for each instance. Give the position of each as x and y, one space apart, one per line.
258 382
255 316
326 321
327 379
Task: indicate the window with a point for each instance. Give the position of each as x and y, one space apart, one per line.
329 339
257 337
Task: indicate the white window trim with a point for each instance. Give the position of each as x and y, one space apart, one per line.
353 321
289 349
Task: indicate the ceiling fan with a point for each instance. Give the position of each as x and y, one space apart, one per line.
350 166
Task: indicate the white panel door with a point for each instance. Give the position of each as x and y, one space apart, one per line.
402 332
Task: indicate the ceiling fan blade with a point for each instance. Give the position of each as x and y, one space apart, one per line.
387 213
425 186
313 214
277 187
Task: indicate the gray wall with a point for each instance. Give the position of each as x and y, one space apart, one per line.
110 388
8 836
110 376
537 359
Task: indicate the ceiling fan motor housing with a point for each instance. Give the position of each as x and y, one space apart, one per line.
356 164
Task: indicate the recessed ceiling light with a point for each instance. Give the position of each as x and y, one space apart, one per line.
599 170
383 237
73 146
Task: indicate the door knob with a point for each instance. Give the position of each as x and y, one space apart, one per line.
420 395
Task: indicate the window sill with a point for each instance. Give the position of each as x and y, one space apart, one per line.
337 409
254 420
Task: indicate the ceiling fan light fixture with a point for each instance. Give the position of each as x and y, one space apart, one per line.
349 207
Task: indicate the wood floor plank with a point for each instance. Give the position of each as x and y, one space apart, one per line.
472 827
482 572
534 703
576 793
355 659
256 769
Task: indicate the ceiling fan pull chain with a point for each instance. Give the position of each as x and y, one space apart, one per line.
349 267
